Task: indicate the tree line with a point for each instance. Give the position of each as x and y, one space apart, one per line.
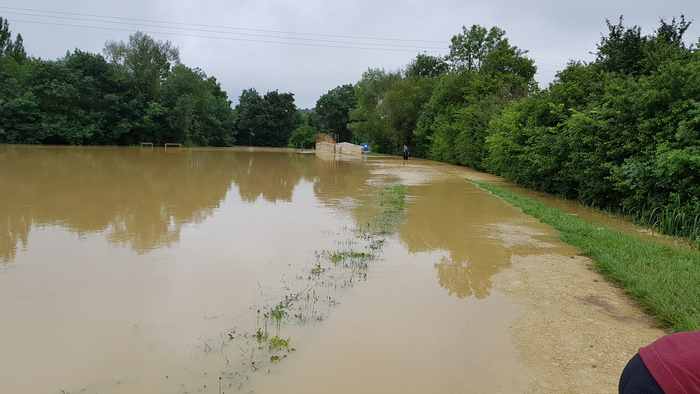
620 132
134 91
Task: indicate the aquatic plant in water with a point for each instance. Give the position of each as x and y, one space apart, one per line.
317 289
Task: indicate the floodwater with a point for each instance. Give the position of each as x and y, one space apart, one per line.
126 270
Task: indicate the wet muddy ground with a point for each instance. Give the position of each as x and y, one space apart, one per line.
207 271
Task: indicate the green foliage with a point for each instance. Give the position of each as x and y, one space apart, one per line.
388 109
8 47
367 122
662 278
392 203
279 312
267 120
338 256
138 96
146 60
303 137
625 50
402 105
441 108
487 72
426 66
622 133
198 110
333 112
276 344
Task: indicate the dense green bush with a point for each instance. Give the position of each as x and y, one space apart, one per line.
304 136
621 133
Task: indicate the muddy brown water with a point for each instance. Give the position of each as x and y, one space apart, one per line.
125 270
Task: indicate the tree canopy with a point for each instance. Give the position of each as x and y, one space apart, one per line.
333 111
138 93
267 120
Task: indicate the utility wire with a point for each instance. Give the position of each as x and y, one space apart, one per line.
414 47
222 26
387 49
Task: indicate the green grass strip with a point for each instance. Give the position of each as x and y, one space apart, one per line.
664 279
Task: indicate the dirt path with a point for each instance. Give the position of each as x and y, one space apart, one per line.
577 330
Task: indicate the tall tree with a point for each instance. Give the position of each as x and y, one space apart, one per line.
199 111
367 122
626 50
281 119
147 60
249 116
333 111
5 37
426 66
8 47
402 105
471 48
267 120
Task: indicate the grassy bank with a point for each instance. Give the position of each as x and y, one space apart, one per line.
665 280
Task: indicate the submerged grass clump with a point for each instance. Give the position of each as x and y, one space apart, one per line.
339 256
277 343
664 279
392 202
315 293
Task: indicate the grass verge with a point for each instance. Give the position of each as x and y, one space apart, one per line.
664 279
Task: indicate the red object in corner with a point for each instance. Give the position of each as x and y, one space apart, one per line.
674 362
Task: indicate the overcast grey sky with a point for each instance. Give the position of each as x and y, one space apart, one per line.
554 31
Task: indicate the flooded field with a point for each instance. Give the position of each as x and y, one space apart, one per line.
206 271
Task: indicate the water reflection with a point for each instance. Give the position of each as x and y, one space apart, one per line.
452 216
141 197
270 175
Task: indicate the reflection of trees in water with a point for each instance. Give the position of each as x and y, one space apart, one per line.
452 216
138 197
270 175
460 280
335 180
142 198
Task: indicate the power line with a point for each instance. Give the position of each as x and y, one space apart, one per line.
217 37
222 26
228 33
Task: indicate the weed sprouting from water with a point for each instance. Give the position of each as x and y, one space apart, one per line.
338 256
391 201
276 344
316 294
317 270
261 336
279 312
